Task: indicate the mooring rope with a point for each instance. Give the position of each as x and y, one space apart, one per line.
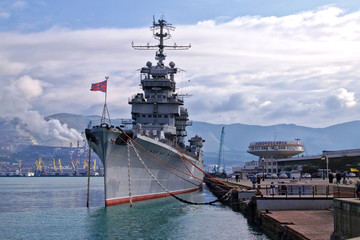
180 154
227 195
201 183
208 175
154 157
129 175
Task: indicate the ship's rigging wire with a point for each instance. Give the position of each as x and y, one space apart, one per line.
189 170
156 158
225 196
218 183
181 157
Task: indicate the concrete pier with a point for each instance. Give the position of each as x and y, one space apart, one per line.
304 224
347 217
299 214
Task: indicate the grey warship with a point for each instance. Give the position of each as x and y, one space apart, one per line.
150 160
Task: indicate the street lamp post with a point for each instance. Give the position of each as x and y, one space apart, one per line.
327 166
263 167
324 157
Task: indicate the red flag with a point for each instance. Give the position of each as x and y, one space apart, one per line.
101 86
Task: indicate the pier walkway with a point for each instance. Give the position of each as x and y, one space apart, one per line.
295 223
304 224
316 188
313 181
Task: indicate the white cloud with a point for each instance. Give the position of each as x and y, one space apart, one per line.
29 87
252 69
341 98
19 4
4 15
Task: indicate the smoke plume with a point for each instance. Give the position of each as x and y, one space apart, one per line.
17 98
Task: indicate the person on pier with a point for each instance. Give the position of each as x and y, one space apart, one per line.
272 189
331 177
283 188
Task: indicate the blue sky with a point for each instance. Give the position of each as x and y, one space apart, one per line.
39 15
254 62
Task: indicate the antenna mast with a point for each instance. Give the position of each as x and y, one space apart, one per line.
161 31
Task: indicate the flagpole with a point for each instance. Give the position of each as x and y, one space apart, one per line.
99 87
107 77
105 110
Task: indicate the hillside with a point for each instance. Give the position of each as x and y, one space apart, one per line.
238 136
236 140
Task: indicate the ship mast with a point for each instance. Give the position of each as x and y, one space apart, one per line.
161 108
161 32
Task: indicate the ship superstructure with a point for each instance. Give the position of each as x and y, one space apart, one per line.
159 110
153 153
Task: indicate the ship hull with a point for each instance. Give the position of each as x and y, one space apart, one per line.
127 179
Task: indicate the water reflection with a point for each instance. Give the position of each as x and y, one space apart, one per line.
170 219
20 194
55 207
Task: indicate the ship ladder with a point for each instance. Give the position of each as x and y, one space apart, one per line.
224 197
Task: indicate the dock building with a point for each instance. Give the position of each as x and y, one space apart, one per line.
276 156
270 152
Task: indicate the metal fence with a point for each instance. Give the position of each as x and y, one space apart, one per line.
307 190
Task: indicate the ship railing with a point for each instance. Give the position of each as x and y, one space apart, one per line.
97 122
122 123
296 143
307 190
168 142
134 98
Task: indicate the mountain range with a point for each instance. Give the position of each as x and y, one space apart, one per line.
236 139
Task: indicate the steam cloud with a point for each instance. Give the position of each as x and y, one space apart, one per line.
17 100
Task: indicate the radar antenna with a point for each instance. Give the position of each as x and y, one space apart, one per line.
161 32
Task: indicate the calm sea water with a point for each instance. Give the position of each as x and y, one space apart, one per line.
55 208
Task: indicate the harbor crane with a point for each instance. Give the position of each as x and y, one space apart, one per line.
85 164
60 166
39 164
74 165
221 152
54 164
